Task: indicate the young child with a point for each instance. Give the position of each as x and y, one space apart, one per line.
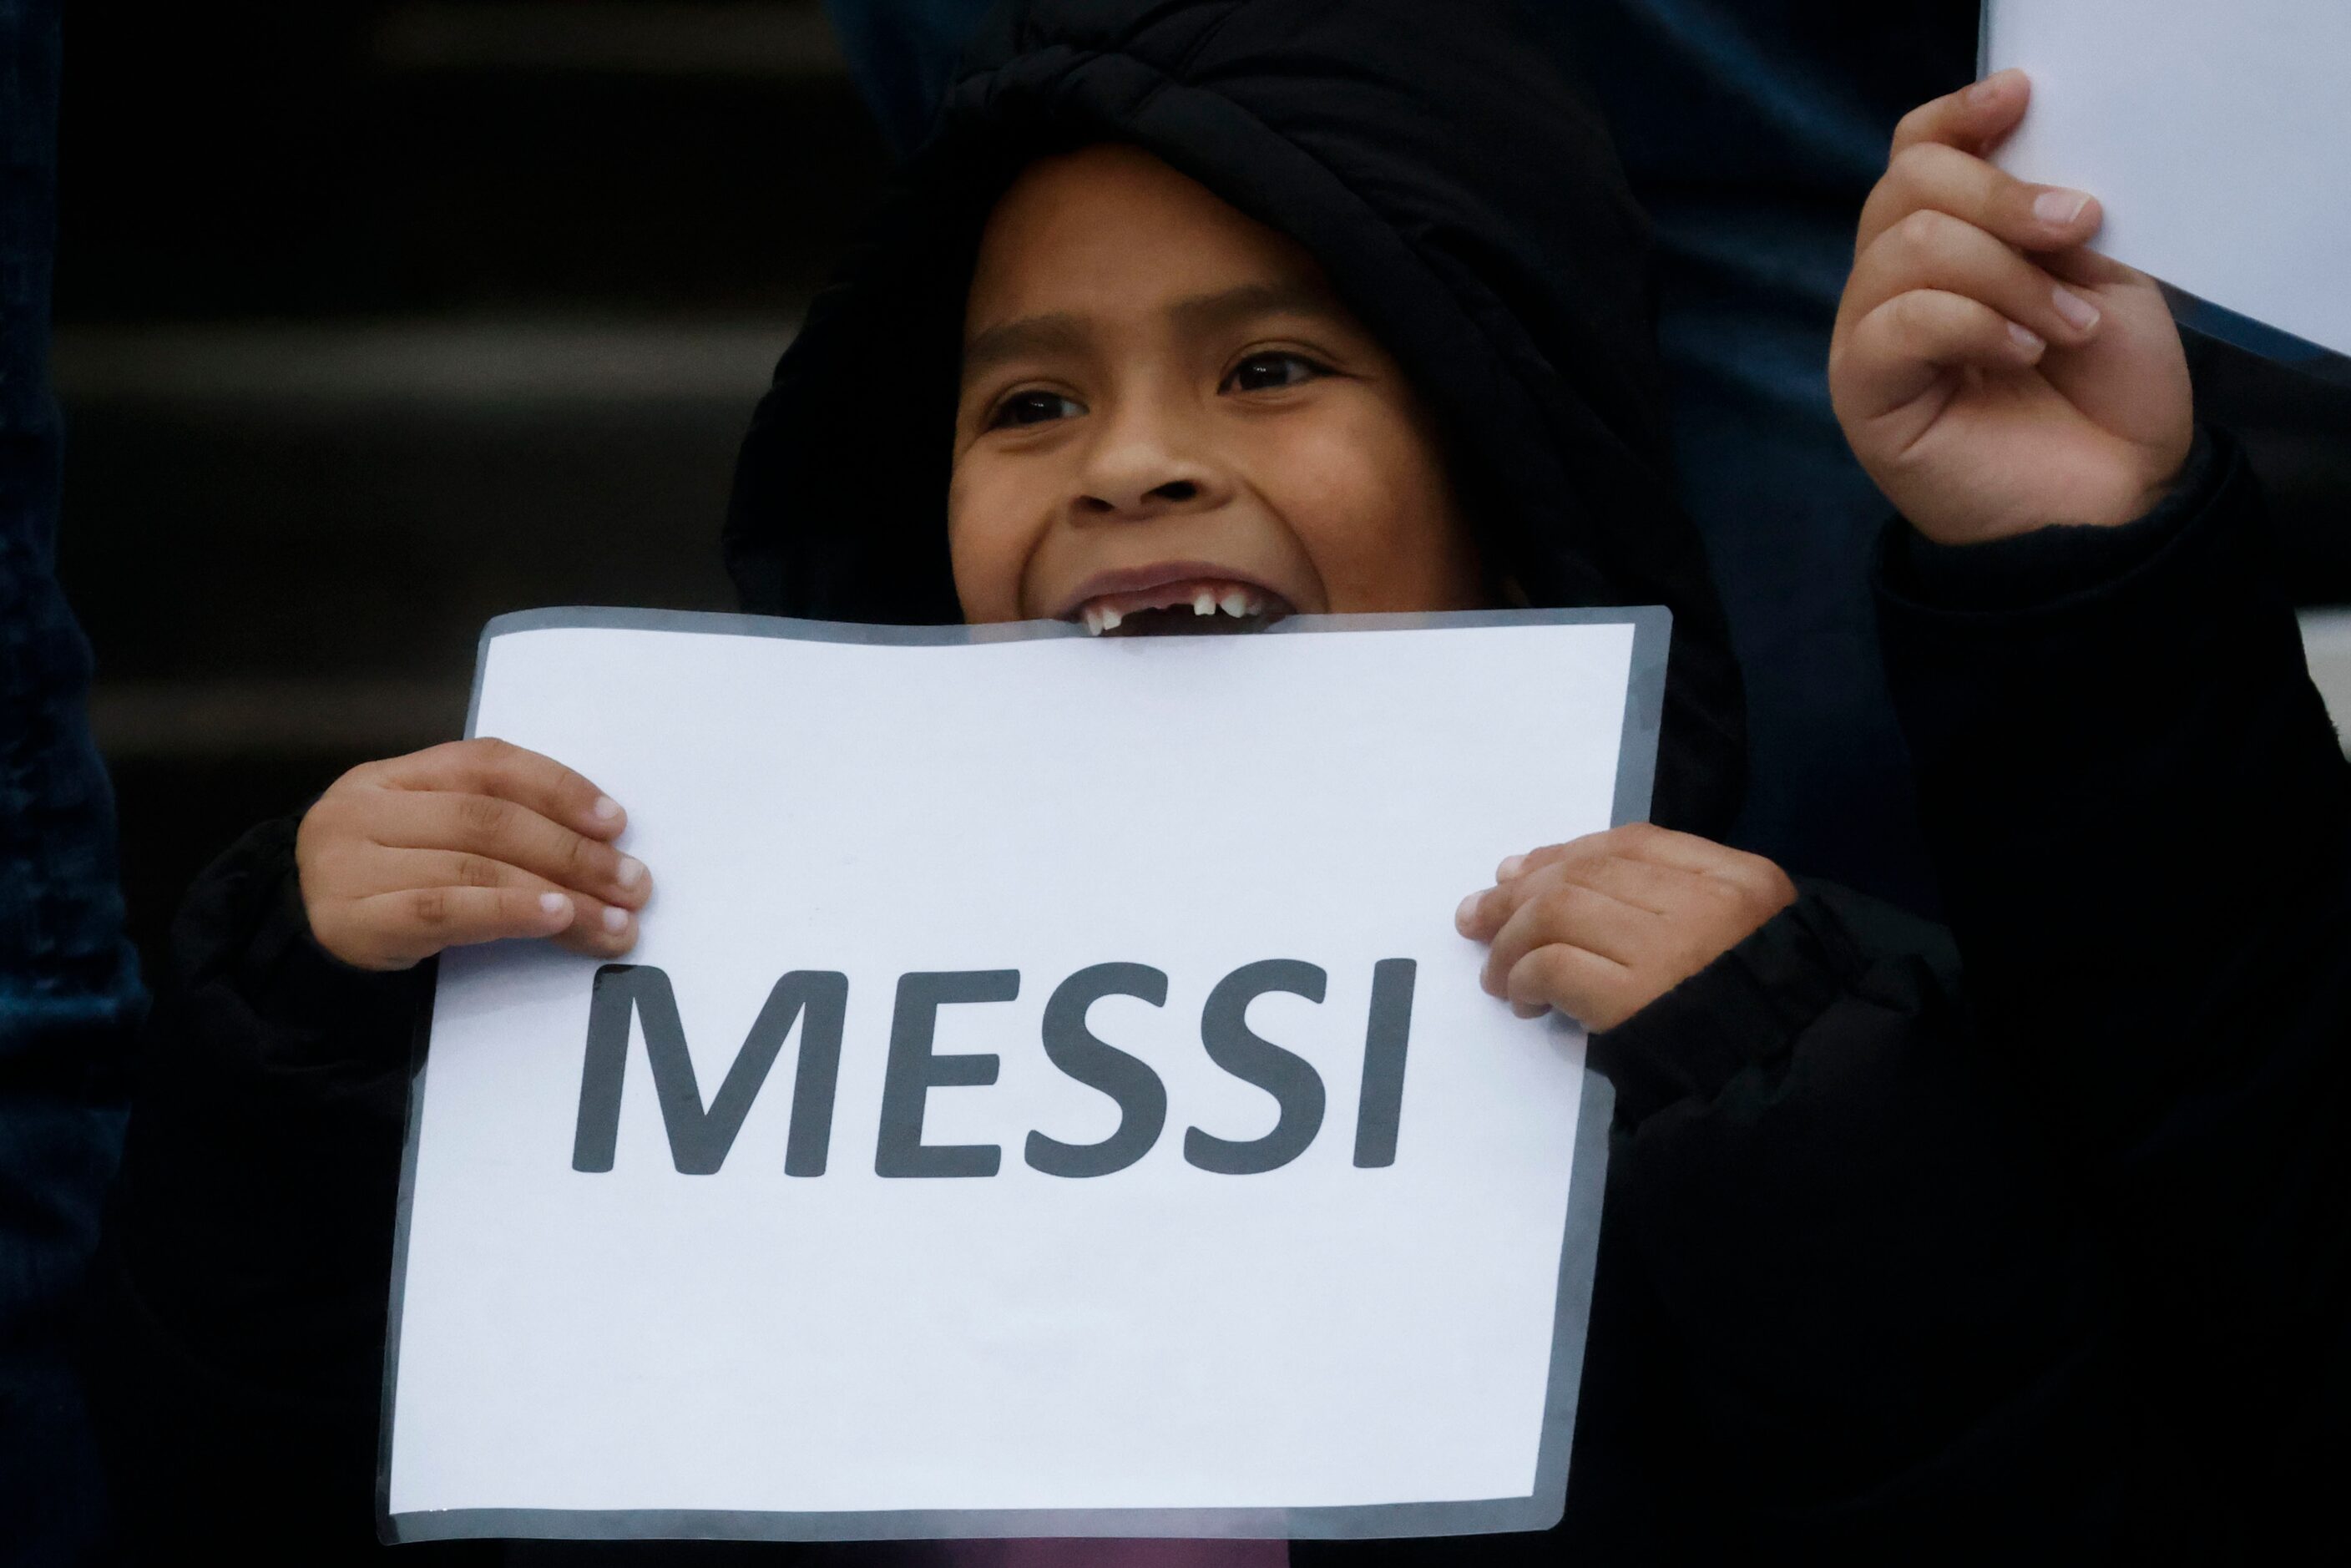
1195 314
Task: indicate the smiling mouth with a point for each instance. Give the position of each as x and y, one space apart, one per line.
1193 607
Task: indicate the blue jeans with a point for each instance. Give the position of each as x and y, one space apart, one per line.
68 984
1753 131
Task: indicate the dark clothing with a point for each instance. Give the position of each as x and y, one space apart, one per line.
2142 816
1870 1285
70 992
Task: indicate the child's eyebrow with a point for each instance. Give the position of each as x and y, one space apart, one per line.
1059 332
1229 308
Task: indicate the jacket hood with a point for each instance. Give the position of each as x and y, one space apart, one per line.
1465 201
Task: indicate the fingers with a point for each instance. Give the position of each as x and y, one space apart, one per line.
468 842
1900 351
1974 118
1643 886
507 772
1592 846
1562 911
1932 176
1938 160
1603 926
1597 992
501 831
391 908
598 928
1941 283
2084 268
394 930
1649 844
1934 251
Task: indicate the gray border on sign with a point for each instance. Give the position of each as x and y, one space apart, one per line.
1579 1246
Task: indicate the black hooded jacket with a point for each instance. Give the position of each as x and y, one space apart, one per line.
1861 1295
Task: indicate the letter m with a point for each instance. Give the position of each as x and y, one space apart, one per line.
699 1137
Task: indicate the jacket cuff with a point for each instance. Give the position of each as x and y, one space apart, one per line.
2067 704
1744 1010
2048 565
244 927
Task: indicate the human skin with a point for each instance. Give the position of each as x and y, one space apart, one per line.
1993 375
1159 393
1167 422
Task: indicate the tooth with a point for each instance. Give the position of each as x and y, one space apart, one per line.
1236 604
1204 601
1109 620
1093 622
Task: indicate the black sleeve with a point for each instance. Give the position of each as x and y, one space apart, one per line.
248 1255
2141 817
2137 804
1849 1308
1887 1317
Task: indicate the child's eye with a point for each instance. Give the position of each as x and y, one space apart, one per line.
1265 372
1033 408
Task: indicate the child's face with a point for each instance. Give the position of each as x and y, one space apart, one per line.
1167 421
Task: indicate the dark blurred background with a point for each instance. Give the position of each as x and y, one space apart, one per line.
379 318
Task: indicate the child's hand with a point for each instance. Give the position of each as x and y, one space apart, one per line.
1992 375
1601 927
466 842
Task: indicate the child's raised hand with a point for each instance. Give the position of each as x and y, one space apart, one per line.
1601 927
466 842
1993 374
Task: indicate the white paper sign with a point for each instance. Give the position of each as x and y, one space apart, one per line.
1294 1240
2217 135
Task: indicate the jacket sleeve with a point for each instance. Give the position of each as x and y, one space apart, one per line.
2141 817
1877 1281
248 1255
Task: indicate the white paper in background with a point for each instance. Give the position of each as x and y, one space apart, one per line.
695 1349
2216 132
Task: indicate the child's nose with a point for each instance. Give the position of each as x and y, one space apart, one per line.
1143 472
1145 485
1169 496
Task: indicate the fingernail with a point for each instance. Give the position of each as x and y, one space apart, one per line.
2078 312
616 919
1528 1009
1466 913
2027 339
1511 868
1992 87
606 808
2059 208
553 904
632 870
